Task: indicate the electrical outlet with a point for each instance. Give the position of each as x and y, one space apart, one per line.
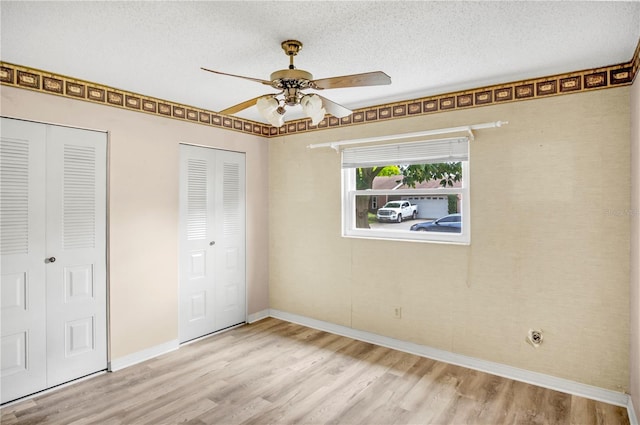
397 312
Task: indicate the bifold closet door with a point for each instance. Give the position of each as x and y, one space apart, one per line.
76 237
53 249
23 253
212 240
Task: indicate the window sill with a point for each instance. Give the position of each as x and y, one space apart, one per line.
419 237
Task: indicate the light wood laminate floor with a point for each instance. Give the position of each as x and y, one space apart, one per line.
275 372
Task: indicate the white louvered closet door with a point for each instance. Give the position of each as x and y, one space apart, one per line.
76 237
22 254
53 194
212 240
230 240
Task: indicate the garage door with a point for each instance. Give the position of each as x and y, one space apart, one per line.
430 207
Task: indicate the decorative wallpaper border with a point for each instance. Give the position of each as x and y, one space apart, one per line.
574 82
47 82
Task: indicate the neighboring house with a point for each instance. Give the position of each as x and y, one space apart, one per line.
429 206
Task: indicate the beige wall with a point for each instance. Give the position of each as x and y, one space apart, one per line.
549 249
143 212
634 356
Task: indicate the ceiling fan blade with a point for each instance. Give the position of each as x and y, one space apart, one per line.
334 108
376 78
241 106
257 80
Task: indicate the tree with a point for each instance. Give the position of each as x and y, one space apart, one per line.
447 172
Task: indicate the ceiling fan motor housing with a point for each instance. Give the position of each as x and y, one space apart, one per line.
291 81
291 74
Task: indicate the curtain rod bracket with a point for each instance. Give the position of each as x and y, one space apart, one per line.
471 136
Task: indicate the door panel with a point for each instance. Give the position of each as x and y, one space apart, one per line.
196 233
230 265
14 354
212 237
22 252
76 237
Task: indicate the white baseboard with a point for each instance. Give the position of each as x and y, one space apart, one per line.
633 419
534 378
141 356
529 377
254 317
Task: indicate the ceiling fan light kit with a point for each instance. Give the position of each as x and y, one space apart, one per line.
292 81
270 109
312 108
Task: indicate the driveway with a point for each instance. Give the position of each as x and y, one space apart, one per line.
405 225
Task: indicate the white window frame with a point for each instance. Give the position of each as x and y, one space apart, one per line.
349 193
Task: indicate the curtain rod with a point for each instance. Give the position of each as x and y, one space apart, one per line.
467 128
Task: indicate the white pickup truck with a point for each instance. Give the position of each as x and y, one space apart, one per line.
397 211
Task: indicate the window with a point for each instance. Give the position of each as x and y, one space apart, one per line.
421 191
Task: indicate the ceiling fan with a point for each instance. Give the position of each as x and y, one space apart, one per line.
292 81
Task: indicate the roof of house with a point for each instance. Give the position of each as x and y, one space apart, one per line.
395 183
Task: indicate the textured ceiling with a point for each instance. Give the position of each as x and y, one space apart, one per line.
157 48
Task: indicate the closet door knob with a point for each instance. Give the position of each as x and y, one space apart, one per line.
50 260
